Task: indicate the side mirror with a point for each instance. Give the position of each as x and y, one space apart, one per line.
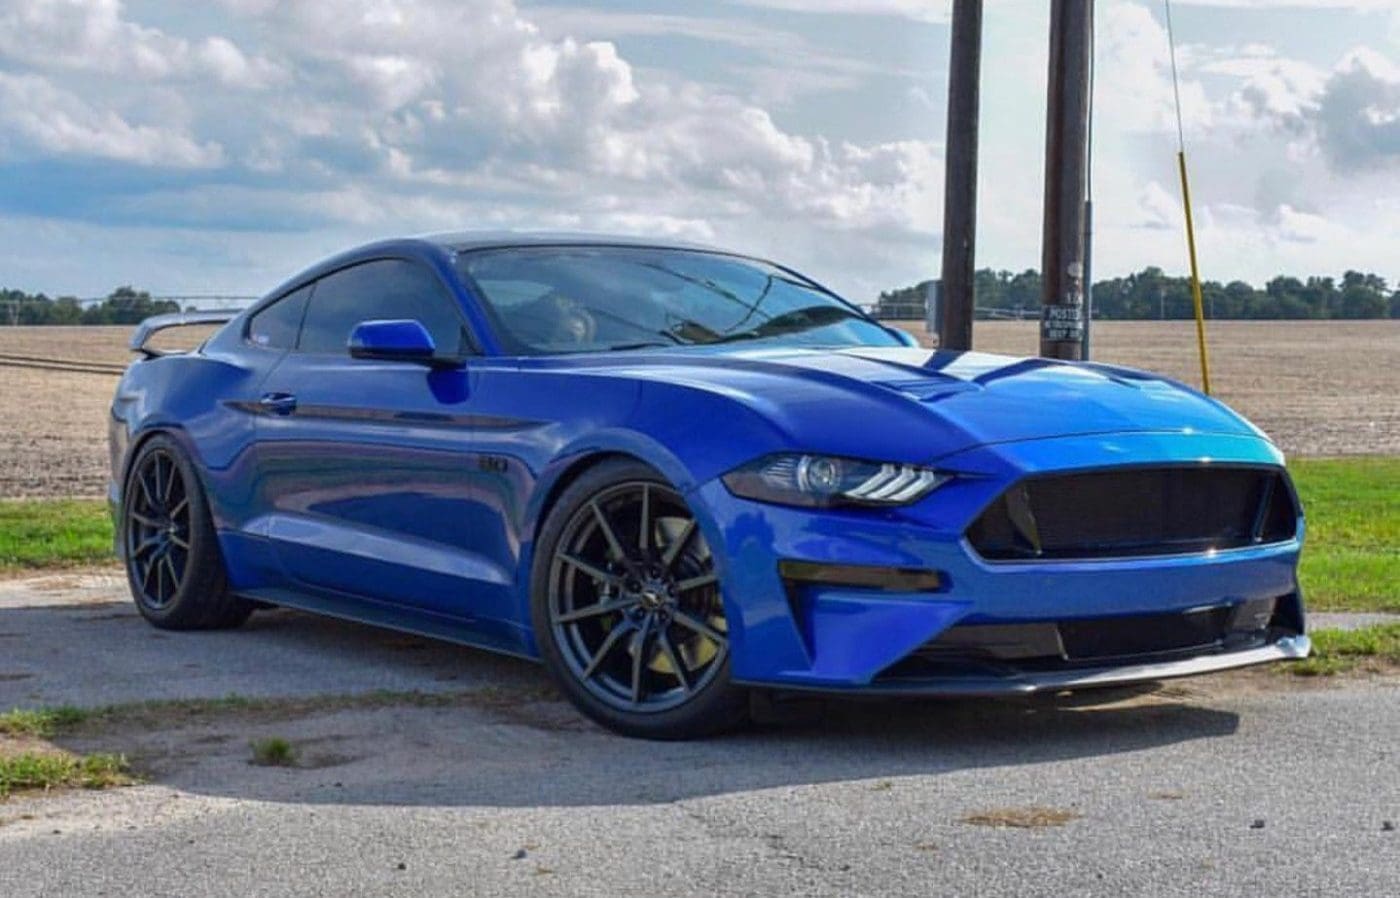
393 341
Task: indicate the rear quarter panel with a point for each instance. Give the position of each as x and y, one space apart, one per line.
200 401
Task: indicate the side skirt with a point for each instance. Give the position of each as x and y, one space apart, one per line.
491 635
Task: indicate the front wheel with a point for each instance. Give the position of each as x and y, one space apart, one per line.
173 563
627 609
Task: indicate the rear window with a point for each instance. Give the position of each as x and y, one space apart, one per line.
276 326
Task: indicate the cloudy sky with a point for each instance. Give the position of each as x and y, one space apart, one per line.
219 146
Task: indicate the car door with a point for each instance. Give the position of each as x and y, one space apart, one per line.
231 485
365 465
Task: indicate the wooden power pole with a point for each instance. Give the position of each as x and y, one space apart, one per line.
956 302
1066 170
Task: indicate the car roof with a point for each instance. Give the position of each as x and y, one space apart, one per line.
468 241
463 241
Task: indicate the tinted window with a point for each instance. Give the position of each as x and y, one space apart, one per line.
276 326
389 288
588 298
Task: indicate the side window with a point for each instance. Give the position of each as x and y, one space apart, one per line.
276 326
389 288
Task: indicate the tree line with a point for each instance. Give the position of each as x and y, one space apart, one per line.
1152 294
1148 294
124 305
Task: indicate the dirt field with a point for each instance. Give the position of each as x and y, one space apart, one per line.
1319 388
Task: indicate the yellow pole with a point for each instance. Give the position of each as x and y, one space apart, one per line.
1195 273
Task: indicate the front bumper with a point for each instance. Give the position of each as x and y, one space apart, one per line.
1289 648
834 637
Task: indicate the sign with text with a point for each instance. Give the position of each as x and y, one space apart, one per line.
1062 323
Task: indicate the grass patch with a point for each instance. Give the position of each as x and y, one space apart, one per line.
37 534
274 752
40 723
1374 648
1351 559
30 771
47 722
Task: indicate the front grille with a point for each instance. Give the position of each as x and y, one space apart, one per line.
1136 511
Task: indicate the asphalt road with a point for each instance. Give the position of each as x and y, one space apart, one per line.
1246 784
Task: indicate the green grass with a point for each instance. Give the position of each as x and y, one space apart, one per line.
274 752
52 533
1351 562
1351 559
1339 651
43 770
40 723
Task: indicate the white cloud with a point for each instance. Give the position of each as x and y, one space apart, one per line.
1133 80
337 122
413 115
1349 115
1271 88
919 10
230 66
1297 226
40 116
1158 209
83 34
92 35
788 66
1357 114
1360 5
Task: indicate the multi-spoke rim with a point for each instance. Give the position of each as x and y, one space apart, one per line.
634 599
158 529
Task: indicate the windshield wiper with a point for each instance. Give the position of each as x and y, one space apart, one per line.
741 335
640 344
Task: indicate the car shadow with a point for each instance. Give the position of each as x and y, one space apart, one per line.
376 717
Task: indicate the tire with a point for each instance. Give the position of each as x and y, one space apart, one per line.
637 641
173 564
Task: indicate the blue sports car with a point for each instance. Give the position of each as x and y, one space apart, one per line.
675 475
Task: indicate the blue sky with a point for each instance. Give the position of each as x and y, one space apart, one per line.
217 147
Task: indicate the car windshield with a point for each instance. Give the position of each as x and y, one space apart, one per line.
591 298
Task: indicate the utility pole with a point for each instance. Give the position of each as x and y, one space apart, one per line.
956 298
1066 169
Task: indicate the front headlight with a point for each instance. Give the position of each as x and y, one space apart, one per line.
821 481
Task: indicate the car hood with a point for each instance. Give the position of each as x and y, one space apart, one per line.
919 404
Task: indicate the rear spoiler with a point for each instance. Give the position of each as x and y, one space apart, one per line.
157 323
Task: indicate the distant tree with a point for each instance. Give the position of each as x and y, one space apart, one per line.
1024 290
1151 294
1362 302
126 305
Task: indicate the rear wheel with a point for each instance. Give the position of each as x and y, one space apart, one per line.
173 564
627 608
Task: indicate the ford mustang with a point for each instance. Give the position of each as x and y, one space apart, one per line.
677 475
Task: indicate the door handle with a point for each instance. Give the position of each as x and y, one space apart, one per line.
278 403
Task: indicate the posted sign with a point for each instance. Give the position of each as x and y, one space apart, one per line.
1062 323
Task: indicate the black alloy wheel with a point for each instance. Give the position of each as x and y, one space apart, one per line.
173 563
633 614
158 529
